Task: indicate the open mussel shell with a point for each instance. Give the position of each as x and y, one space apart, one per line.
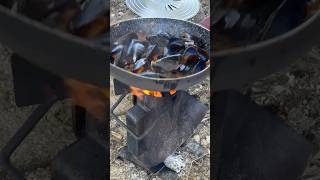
194 60
153 53
139 66
127 38
167 64
190 55
203 55
176 47
116 53
135 49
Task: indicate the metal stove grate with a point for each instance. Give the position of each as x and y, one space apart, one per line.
177 9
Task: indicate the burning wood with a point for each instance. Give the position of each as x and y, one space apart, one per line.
142 92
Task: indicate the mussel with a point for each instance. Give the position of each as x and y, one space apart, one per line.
127 38
176 47
162 55
161 39
139 65
116 52
167 64
244 22
135 49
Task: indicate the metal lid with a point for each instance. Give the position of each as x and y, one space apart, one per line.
177 9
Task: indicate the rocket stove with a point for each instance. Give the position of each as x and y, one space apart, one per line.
164 114
157 126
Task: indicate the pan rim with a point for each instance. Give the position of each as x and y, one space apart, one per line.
162 79
269 42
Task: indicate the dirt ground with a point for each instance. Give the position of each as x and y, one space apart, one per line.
197 163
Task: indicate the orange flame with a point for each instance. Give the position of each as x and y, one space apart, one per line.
141 92
88 96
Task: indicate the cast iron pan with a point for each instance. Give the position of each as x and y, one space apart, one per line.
236 67
56 51
154 26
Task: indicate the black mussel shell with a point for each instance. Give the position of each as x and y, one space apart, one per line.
161 40
127 38
175 47
198 67
116 53
167 64
173 39
139 65
153 53
203 55
199 42
190 56
185 36
135 49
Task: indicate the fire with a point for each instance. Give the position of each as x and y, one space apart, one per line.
141 92
88 96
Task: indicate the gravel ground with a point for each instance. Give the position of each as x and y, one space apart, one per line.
196 152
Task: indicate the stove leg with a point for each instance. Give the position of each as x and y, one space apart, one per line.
19 136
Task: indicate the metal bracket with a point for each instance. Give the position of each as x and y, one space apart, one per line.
138 137
19 136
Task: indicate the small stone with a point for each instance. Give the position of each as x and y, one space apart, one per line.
134 176
116 135
197 138
120 13
194 148
208 139
131 165
175 163
204 142
167 173
112 15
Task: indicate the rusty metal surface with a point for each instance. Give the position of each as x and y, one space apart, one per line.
53 50
235 67
153 26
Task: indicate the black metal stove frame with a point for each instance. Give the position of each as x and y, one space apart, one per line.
20 135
